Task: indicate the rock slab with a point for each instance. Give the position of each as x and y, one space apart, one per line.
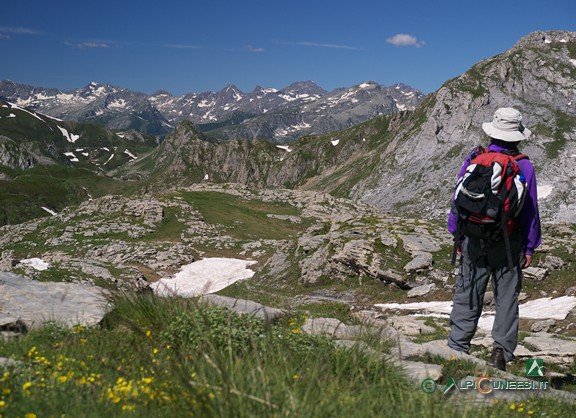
32 303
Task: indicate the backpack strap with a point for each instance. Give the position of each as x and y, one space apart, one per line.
521 157
515 154
476 151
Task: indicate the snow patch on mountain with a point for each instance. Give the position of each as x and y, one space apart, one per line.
204 276
280 133
72 157
130 154
70 137
118 104
14 106
35 263
50 211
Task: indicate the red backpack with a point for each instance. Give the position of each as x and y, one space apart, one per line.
489 196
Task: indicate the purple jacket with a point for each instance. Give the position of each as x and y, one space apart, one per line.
529 218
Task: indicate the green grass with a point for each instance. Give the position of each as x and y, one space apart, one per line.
245 219
162 357
54 187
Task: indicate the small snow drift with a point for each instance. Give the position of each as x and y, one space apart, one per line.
204 276
36 263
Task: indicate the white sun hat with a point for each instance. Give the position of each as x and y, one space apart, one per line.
507 126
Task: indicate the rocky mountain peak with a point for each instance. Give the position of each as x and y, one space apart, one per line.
540 38
304 87
277 115
536 76
162 93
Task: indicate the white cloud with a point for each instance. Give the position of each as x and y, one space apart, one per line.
88 45
179 46
321 45
16 30
254 49
402 39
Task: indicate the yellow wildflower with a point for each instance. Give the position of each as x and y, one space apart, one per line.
513 407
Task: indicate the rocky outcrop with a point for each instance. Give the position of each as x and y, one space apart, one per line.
13 156
28 304
537 77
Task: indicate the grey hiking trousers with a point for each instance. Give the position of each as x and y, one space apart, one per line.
477 264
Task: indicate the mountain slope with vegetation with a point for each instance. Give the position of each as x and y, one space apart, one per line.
537 77
408 162
325 225
50 163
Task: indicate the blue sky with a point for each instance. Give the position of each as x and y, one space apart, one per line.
197 46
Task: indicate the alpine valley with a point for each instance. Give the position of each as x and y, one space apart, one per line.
399 152
336 200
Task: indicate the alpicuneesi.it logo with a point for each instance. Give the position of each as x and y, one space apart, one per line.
535 367
487 384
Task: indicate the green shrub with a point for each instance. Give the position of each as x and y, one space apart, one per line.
215 328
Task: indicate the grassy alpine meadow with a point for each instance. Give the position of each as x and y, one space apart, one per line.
159 357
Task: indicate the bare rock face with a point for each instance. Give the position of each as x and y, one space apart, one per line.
31 303
536 76
13 156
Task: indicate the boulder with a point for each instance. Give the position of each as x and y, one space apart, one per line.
535 273
421 261
244 307
422 290
34 303
331 327
542 326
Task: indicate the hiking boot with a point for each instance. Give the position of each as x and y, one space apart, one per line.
497 358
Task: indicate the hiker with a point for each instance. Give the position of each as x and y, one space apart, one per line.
503 256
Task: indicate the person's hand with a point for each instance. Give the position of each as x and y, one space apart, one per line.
527 261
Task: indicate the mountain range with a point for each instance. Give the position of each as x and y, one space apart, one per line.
403 163
302 108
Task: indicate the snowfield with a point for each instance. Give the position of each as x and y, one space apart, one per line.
204 276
